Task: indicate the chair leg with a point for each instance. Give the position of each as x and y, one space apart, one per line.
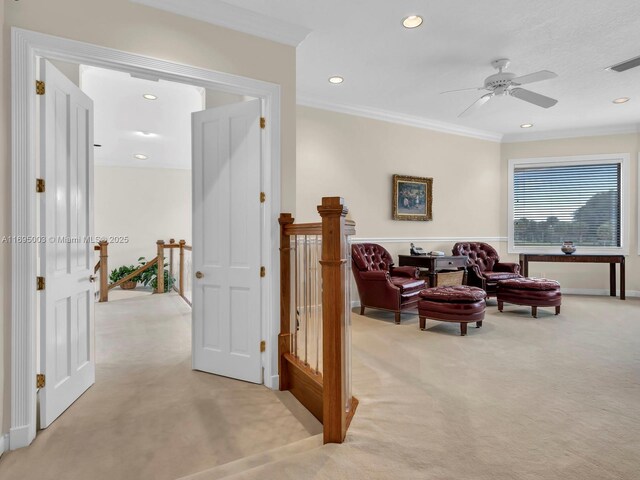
397 318
423 323
558 310
479 324
534 312
463 328
500 305
361 309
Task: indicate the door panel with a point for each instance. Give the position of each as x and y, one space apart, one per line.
227 241
66 311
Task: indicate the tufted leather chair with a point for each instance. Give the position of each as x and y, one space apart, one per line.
380 284
484 269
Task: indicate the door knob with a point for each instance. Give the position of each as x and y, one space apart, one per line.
199 274
92 278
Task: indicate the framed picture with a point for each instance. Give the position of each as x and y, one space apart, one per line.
412 198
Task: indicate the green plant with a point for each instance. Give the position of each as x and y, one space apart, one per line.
149 278
121 272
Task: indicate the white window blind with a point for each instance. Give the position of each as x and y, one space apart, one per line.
579 203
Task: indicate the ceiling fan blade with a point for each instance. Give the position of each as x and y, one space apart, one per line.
463 89
533 97
477 104
534 77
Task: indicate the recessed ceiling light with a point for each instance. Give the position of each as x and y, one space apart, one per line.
412 21
621 100
140 156
336 79
149 96
526 125
146 134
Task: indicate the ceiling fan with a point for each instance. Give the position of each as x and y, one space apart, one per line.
506 83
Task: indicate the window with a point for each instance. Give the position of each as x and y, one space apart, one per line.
578 199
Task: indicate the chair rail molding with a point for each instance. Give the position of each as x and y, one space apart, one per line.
426 239
25 47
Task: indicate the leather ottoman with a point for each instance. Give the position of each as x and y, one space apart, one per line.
532 292
460 304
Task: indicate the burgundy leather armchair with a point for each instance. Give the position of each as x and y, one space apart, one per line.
380 284
484 268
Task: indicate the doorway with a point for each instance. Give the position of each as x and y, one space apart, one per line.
27 46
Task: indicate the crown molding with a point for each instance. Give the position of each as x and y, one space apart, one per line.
229 16
571 133
402 119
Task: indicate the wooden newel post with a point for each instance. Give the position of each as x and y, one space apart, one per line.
284 338
334 395
172 243
182 243
104 271
160 287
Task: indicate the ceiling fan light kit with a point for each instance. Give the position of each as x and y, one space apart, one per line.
508 84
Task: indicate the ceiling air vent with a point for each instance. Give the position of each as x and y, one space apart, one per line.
626 65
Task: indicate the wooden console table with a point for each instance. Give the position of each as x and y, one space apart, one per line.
525 258
434 264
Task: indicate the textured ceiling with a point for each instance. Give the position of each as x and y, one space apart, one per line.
388 67
121 113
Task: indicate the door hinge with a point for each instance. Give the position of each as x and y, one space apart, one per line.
263 197
41 380
263 122
263 271
39 185
39 283
39 87
263 346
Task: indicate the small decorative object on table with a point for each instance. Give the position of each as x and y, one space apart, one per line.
568 248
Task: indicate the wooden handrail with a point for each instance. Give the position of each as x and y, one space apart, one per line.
104 270
144 267
97 267
303 229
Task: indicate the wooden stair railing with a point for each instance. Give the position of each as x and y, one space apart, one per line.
315 307
103 269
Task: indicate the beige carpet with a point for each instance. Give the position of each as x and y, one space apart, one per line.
553 398
149 416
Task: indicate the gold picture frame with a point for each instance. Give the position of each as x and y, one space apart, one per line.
412 198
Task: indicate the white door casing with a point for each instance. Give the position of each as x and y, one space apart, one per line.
227 241
66 255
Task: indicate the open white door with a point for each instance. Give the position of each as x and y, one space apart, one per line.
227 241
66 215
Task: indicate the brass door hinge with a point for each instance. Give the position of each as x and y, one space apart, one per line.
263 122
39 185
263 346
41 380
263 271
39 87
40 283
263 197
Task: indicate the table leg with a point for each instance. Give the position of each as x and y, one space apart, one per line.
433 278
525 267
612 279
622 280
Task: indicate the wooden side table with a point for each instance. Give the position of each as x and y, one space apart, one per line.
434 264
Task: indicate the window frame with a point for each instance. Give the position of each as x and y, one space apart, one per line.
623 159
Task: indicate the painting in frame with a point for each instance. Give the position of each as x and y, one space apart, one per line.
412 198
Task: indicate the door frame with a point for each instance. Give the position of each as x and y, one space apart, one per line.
26 46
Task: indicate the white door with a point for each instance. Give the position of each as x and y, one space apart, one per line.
227 241
66 216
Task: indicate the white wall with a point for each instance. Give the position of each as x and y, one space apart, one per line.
135 28
5 228
143 204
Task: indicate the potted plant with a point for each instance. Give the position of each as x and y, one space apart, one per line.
121 272
149 277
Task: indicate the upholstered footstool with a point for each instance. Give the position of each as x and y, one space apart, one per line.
460 304
532 292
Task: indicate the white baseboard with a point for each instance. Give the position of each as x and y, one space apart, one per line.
4 443
19 437
273 383
598 292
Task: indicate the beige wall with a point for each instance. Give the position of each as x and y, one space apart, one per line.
157 205
355 157
134 28
583 277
